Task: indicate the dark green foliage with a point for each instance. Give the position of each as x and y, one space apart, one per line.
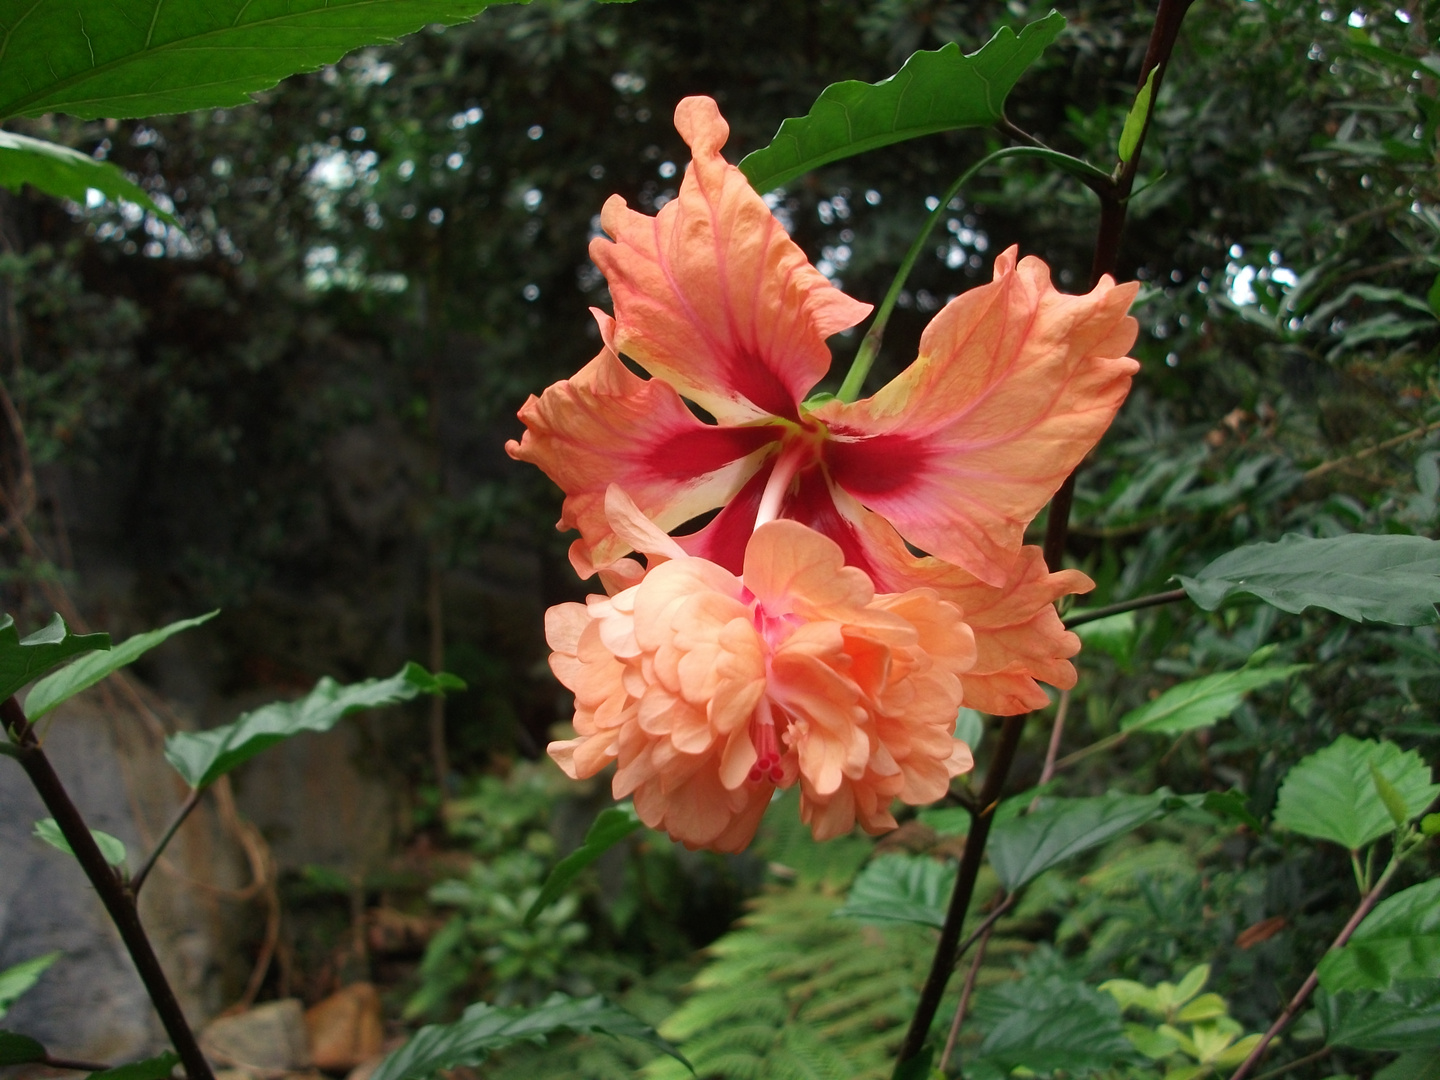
23 660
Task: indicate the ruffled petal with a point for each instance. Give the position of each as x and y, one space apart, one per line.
712 296
606 425
1015 382
1020 641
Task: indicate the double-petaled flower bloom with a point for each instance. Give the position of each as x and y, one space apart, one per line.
1014 383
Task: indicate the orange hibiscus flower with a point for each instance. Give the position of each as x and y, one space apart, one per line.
709 689
1013 385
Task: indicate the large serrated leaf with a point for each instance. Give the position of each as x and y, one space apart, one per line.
1024 847
24 659
119 58
1389 579
14 981
1398 941
1330 794
1202 702
483 1028
611 826
933 91
66 174
901 888
89 670
1044 1024
202 757
1404 1017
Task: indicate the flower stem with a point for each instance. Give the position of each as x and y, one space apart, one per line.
191 801
870 345
118 900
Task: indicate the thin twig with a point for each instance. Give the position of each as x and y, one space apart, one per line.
1308 986
1080 618
1361 455
72 1064
1057 731
965 992
191 801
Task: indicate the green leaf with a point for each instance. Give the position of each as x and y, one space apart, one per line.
1025 847
19 1049
1412 1065
1114 635
48 829
1137 116
86 672
1330 796
1202 702
1404 1017
156 1068
1231 804
1389 579
67 174
1398 941
1433 296
969 727
23 659
610 827
99 58
1047 1024
203 757
946 820
917 1067
932 92
14 981
900 888
484 1028
1430 824
1394 804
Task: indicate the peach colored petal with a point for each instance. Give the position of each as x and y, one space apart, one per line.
1015 382
790 568
605 426
712 296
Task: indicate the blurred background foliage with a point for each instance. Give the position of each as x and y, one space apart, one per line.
296 410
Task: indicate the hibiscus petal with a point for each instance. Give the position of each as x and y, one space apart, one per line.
605 426
1019 638
1015 382
712 296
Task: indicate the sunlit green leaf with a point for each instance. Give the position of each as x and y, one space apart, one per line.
87 671
1404 1017
901 888
1137 116
48 829
1330 795
611 826
66 174
1024 847
19 1049
933 91
484 1028
155 1068
1389 579
1389 797
14 981
1398 941
202 757
1202 702
102 58
24 659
